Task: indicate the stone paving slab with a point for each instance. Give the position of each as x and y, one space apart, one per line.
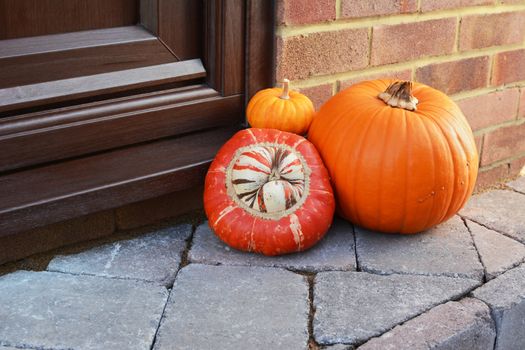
455 325
352 307
233 307
505 296
152 257
61 311
497 252
445 250
503 211
518 184
334 252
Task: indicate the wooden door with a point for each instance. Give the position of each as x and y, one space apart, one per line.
107 102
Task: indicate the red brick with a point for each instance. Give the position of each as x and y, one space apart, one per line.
57 235
517 167
490 109
456 76
509 67
478 31
318 94
304 11
491 177
432 5
366 8
521 111
503 143
400 75
302 56
404 42
156 209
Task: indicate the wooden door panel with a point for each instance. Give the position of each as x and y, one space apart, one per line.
75 89
24 18
53 57
188 43
46 137
60 191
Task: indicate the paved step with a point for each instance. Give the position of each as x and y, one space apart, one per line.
502 211
233 307
505 296
152 257
334 252
497 252
518 184
445 250
49 310
454 325
352 307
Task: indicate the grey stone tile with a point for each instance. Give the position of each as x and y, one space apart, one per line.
503 211
445 250
352 307
518 184
497 252
455 325
505 296
56 310
152 257
334 252
233 307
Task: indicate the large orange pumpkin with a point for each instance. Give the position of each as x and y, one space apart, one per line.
267 191
401 155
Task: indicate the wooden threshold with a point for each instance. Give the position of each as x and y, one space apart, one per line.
81 186
34 60
99 84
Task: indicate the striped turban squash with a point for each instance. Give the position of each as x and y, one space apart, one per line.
267 191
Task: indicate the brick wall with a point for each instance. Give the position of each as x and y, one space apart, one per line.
473 50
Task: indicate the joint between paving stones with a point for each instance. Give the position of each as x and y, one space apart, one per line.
492 316
184 261
104 277
312 343
491 228
160 321
477 250
357 265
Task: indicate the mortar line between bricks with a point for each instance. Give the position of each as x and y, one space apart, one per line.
492 229
477 250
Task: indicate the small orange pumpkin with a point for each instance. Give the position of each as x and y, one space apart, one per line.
401 155
282 109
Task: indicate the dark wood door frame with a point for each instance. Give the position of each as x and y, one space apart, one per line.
74 159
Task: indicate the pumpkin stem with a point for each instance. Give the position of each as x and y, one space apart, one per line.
399 94
286 88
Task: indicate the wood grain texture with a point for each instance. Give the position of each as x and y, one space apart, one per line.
181 27
260 24
25 18
78 187
58 65
81 87
149 10
233 45
67 133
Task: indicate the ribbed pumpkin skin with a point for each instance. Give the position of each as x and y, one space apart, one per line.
294 230
267 110
395 170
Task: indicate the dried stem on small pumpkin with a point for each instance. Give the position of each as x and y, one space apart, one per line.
286 88
399 94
